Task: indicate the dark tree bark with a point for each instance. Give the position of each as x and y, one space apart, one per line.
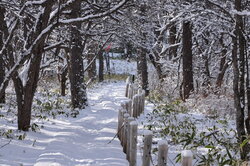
129 49
142 69
187 57
223 67
205 71
172 40
3 35
101 66
158 66
24 112
247 121
76 70
223 64
63 72
2 76
25 90
63 79
92 68
107 59
238 56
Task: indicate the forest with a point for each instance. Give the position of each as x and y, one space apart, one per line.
69 68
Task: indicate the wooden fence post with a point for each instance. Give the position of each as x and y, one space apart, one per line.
130 119
143 101
139 104
135 89
133 107
130 91
135 104
123 105
129 107
127 87
186 158
246 163
119 124
123 111
148 135
124 136
162 153
133 143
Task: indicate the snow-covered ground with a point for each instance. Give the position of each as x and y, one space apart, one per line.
72 141
118 66
84 140
123 67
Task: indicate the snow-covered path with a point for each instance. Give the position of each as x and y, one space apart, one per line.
75 141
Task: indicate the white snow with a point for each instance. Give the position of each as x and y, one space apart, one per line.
187 153
93 16
121 66
74 141
133 123
147 132
162 142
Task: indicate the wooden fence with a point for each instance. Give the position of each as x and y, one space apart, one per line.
128 128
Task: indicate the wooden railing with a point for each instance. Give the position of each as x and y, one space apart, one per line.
128 128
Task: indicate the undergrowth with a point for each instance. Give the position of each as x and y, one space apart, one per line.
47 104
212 140
108 78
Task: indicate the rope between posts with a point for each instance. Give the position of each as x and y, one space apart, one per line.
151 160
171 161
5 144
116 134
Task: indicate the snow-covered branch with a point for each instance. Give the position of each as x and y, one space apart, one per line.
94 16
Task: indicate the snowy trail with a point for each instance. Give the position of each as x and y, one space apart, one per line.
75 141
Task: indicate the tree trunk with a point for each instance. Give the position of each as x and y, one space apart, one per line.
101 66
205 58
172 40
63 81
188 83
92 67
3 36
158 66
247 121
205 71
2 76
24 113
107 59
237 101
239 77
142 69
76 71
222 69
20 101
25 91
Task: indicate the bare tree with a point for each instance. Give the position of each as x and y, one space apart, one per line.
238 55
33 38
3 35
187 56
142 69
76 70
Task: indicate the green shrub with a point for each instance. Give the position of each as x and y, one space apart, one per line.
220 141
